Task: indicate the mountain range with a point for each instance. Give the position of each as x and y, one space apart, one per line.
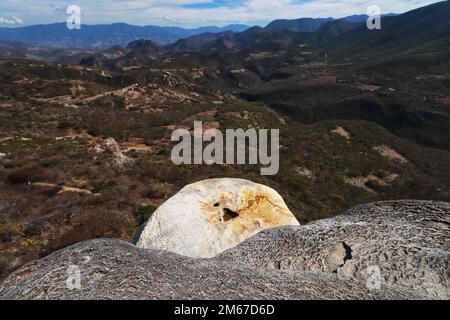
103 36
423 30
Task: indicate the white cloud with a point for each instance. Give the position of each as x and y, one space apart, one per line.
13 21
169 19
59 10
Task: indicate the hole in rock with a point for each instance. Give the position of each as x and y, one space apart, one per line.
348 252
338 255
229 214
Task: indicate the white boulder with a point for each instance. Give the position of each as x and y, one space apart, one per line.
211 216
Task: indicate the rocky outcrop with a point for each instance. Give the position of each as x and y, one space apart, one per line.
406 244
144 47
387 250
112 269
119 159
211 216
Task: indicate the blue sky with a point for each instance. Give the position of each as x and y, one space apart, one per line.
191 13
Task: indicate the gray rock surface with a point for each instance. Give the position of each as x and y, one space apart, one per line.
407 240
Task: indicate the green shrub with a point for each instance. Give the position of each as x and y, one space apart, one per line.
100 186
8 231
145 212
29 174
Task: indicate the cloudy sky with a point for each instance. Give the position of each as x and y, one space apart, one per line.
190 13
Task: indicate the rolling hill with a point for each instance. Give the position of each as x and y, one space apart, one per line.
423 30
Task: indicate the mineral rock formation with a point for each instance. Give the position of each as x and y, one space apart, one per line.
401 244
112 269
386 250
209 217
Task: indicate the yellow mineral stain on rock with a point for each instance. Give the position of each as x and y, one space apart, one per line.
247 211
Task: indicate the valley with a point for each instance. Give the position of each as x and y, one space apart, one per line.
85 139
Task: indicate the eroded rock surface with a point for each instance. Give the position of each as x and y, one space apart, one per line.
407 242
211 216
112 269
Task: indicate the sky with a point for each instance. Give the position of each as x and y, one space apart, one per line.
190 13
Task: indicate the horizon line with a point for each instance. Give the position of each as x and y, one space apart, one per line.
186 28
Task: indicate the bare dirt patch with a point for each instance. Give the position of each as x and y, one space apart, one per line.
342 132
390 153
63 189
305 172
366 87
362 182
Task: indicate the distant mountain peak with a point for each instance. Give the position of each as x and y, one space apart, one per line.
297 25
103 36
143 46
